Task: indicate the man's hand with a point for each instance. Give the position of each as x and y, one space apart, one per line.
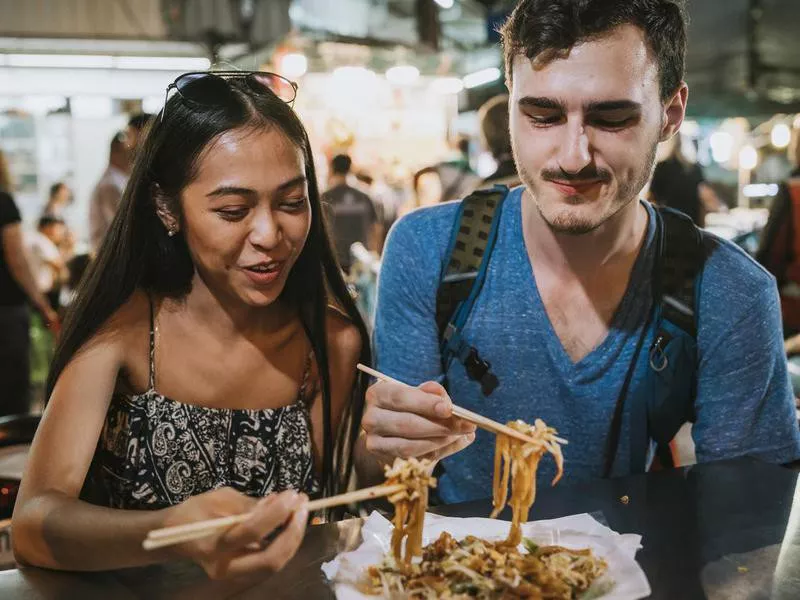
419 422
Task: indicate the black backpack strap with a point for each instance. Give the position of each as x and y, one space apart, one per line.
471 244
681 259
678 265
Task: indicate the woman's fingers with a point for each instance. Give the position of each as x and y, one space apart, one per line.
277 553
267 515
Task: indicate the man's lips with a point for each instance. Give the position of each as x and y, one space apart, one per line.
575 187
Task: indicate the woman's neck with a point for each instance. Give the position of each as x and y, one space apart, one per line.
229 317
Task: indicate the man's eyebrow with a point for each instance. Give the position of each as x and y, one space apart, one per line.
592 106
609 105
540 102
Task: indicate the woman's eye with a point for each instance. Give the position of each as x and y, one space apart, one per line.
232 214
294 205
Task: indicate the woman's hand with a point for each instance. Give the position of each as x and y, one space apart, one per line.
242 549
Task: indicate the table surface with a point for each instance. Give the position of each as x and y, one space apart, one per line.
722 530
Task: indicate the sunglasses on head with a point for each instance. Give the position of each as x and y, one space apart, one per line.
204 88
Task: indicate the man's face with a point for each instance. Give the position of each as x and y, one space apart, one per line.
584 128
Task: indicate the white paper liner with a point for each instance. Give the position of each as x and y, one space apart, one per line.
625 577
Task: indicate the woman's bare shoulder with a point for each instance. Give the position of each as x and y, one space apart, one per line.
129 323
344 338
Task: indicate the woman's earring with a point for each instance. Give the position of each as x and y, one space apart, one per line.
171 232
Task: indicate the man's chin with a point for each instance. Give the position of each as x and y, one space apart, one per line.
570 226
571 220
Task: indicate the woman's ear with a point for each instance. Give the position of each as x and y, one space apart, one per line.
165 209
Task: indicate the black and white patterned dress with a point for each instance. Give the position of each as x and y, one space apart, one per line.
154 452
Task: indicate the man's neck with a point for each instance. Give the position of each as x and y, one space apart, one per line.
337 180
616 241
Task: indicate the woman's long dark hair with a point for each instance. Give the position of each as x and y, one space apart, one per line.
137 253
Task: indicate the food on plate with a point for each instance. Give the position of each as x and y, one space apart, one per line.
476 568
519 461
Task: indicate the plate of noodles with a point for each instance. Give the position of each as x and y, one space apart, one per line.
473 567
423 556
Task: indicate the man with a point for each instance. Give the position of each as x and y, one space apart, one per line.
107 194
568 293
48 264
351 212
493 118
779 250
136 131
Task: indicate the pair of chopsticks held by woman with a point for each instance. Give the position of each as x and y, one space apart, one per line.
208 365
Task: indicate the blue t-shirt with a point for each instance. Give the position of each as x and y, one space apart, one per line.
744 402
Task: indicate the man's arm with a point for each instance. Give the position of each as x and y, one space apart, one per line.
106 200
399 421
745 405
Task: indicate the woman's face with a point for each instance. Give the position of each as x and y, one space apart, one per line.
246 215
63 196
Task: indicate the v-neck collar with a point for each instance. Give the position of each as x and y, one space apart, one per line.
626 320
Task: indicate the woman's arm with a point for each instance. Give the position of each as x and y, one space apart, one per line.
17 261
53 528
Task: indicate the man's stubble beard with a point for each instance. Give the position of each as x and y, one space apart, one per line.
569 224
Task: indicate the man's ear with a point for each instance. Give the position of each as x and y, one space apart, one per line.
674 112
166 210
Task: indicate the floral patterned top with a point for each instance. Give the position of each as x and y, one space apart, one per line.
154 452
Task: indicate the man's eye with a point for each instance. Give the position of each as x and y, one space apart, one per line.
543 121
612 123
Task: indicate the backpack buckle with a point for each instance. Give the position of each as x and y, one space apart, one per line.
481 371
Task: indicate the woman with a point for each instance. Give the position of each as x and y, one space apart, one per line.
201 351
58 200
18 289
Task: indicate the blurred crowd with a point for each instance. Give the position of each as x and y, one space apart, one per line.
41 269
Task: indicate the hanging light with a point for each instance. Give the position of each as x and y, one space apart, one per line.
721 146
445 3
447 85
293 65
402 74
781 135
748 157
481 77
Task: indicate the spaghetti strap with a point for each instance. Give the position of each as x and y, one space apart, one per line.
302 395
152 383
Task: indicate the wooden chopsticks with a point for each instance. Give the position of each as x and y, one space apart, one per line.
168 536
463 413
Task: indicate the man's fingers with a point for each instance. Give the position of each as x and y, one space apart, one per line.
382 422
404 448
456 446
400 398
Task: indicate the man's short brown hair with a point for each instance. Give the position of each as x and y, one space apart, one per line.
548 29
